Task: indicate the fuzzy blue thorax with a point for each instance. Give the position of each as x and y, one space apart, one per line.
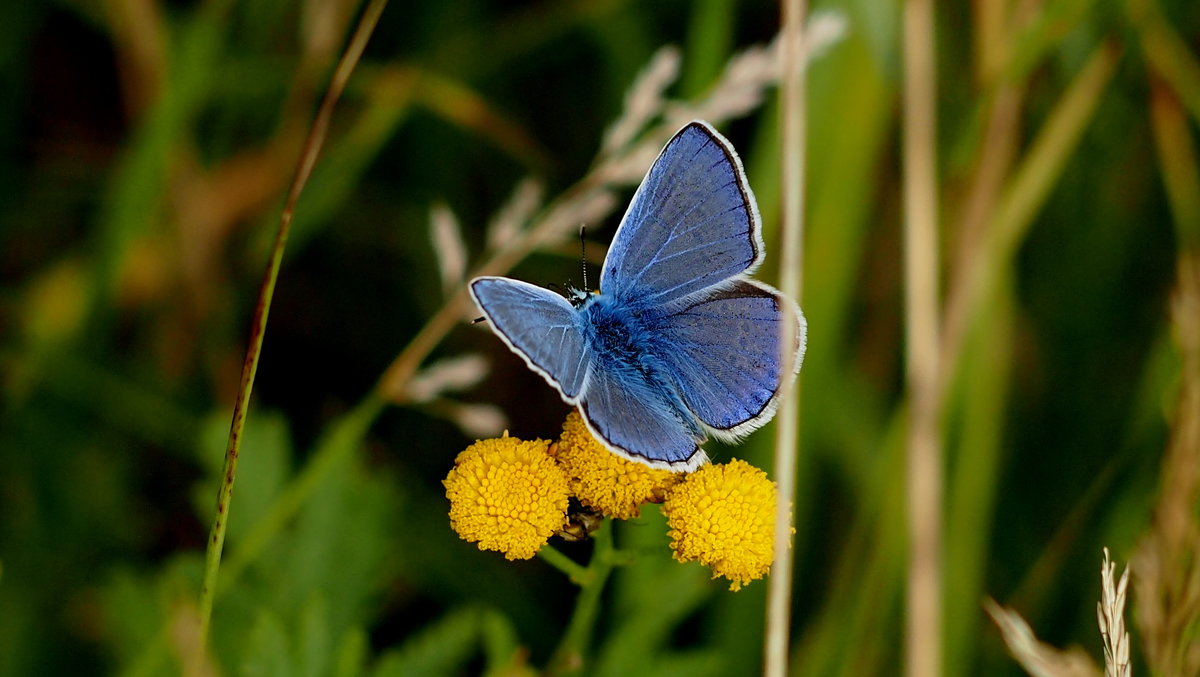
626 342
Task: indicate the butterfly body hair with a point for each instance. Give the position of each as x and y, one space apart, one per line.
628 347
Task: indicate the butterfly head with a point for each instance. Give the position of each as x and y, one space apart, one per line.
580 297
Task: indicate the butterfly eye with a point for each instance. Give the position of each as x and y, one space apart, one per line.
577 297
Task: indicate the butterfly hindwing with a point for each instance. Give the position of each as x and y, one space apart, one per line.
691 224
540 326
632 417
723 354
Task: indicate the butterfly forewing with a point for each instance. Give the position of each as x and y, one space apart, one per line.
540 326
692 223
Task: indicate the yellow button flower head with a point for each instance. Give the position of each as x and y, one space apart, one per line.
507 495
603 481
723 516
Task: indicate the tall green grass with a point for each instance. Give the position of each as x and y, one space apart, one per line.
151 147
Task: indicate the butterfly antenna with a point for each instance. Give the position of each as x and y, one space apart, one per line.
583 254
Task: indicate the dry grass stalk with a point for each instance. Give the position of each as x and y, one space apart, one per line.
923 473
1038 658
429 385
1110 613
473 419
1167 561
749 74
140 39
452 374
511 219
1042 660
448 247
644 100
793 134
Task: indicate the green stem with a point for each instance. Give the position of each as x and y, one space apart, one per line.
568 657
312 147
578 573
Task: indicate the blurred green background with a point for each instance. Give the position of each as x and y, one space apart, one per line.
147 149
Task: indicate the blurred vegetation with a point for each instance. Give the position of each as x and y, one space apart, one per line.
148 146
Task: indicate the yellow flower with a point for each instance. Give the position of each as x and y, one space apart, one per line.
507 495
723 516
604 481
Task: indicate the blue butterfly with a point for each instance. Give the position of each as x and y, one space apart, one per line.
678 343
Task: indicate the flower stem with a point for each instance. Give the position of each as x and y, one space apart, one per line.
578 574
568 657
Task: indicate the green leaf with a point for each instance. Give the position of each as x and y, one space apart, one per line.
339 546
500 641
973 476
314 650
352 653
267 651
699 663
441 648
709 43
132 615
